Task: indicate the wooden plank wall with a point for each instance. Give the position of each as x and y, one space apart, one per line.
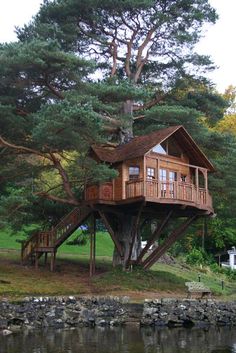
118 183
168 163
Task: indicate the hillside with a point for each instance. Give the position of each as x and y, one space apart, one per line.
71 275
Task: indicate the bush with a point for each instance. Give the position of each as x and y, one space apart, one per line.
231 274
80 239
197 257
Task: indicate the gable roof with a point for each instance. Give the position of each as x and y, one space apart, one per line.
141 145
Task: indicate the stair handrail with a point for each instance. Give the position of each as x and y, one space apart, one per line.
78 211
26 243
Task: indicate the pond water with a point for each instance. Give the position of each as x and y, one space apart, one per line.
131 339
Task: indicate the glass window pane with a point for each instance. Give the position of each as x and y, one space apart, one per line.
133 172
161 148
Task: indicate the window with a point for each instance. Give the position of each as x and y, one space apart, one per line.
172 176
161 148
150 173
170 147
172 179
163 174
183 178
133 173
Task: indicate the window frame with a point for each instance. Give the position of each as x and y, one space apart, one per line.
134 176
150 173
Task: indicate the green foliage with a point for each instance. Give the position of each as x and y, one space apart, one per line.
196 257
81 239
63 88
227 272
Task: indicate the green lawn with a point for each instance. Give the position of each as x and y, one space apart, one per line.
104 244
72 268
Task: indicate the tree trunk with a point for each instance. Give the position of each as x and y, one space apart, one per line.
126 132
125 235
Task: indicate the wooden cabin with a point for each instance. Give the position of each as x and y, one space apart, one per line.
165 167
163 175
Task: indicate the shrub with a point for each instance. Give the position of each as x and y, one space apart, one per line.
80 239
197 257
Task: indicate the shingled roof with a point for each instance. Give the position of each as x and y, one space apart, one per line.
140 145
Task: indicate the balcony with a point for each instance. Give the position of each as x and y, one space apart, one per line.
153 191
169 192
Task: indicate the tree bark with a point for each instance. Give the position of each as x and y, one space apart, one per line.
124 234
126 134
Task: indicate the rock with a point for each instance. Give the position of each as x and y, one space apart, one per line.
101 311
6 332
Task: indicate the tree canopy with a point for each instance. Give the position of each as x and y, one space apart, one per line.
98 72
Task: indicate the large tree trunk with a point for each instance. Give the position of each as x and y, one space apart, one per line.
126 132
128 236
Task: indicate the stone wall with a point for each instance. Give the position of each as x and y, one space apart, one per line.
113 311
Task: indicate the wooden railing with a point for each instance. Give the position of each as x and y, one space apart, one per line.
168 190
54 237
27 247
99 192
134 188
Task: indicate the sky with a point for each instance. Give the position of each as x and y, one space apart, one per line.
218 41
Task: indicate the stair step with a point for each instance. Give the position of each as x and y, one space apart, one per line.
49 241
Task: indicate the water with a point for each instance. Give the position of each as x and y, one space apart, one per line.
130 339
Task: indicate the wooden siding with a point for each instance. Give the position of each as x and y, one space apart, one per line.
118 184
187 192
168 162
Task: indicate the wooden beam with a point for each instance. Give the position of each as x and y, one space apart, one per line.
53 261
174 236
112 233
107 209
92 247
36 260
155 235
134 233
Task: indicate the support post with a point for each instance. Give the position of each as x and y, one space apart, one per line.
144 176
92 247
174 236
197 184
155 235
53 260
36 260
45 258
158 179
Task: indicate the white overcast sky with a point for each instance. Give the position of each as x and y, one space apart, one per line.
219 41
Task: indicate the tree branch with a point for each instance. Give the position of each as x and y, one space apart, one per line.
139 59
47 196
23 149
52 89
114 57
64 177
129 53
150 104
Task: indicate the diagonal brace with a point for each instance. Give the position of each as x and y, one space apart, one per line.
155 235
111 232
134 233
174 236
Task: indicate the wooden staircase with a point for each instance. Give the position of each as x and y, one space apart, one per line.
48 242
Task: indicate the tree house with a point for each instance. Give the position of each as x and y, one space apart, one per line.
162 175
164 167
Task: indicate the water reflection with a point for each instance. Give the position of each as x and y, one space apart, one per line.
130 339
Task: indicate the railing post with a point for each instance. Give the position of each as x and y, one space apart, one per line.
197 184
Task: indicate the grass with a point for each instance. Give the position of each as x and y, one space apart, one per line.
71 275
104 244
